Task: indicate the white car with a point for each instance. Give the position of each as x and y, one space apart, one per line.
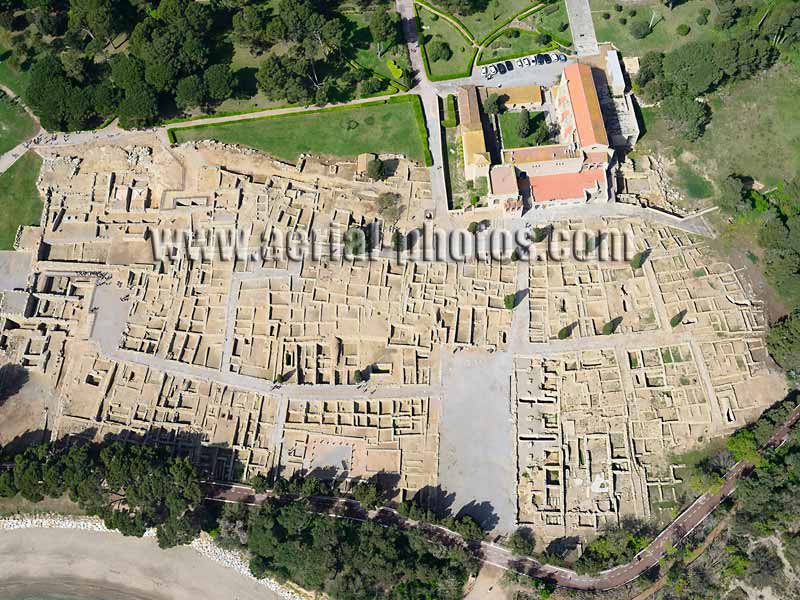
484 71
519 63
532 58
492 70
526 61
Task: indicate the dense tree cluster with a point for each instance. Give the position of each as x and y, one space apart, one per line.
343 558
616 545
177 56
463 7
131 487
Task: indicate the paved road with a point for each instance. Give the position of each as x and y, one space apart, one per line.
505 559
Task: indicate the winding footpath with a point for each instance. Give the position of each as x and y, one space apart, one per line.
490 553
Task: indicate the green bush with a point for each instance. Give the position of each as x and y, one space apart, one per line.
683 29
623 21
618 7
632 12
640 29
678 319
509 301
565 332
606 16
701 20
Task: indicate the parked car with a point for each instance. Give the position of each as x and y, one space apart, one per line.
484 71
492 70
526 61
554 56
547 59
520 64
509 65
562 57
501 68
539 59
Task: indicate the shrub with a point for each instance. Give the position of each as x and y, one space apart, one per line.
678 319
606 16
623 21
618 7
701 20
563 27
439 50
683 29
640 29
565 332
509 301
543 38
375 169
632 12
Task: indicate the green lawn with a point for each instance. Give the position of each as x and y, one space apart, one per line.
16 79
748 135
455 168
437 28
15 124
696 186
552 21
508 129
504 47
20 203
663 36
342 132
481 24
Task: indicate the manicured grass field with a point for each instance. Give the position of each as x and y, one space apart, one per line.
437 28
345 132
663 36
504 47
747 135
497 12
15 124
20 203
509 122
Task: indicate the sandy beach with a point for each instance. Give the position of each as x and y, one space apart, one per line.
112 567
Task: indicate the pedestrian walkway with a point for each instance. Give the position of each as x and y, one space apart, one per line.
580 22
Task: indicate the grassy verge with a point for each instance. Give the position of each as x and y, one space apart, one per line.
19 506
15 124
11 77
20 203
431 27
341 131
504 47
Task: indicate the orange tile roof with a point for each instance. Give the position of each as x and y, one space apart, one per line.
538 153
567 186
585 105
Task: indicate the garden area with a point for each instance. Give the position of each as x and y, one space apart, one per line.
552 20
514 124
447 53
20 203
497 12
383 126
513 43
15 124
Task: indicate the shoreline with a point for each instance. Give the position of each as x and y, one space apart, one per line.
79 555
